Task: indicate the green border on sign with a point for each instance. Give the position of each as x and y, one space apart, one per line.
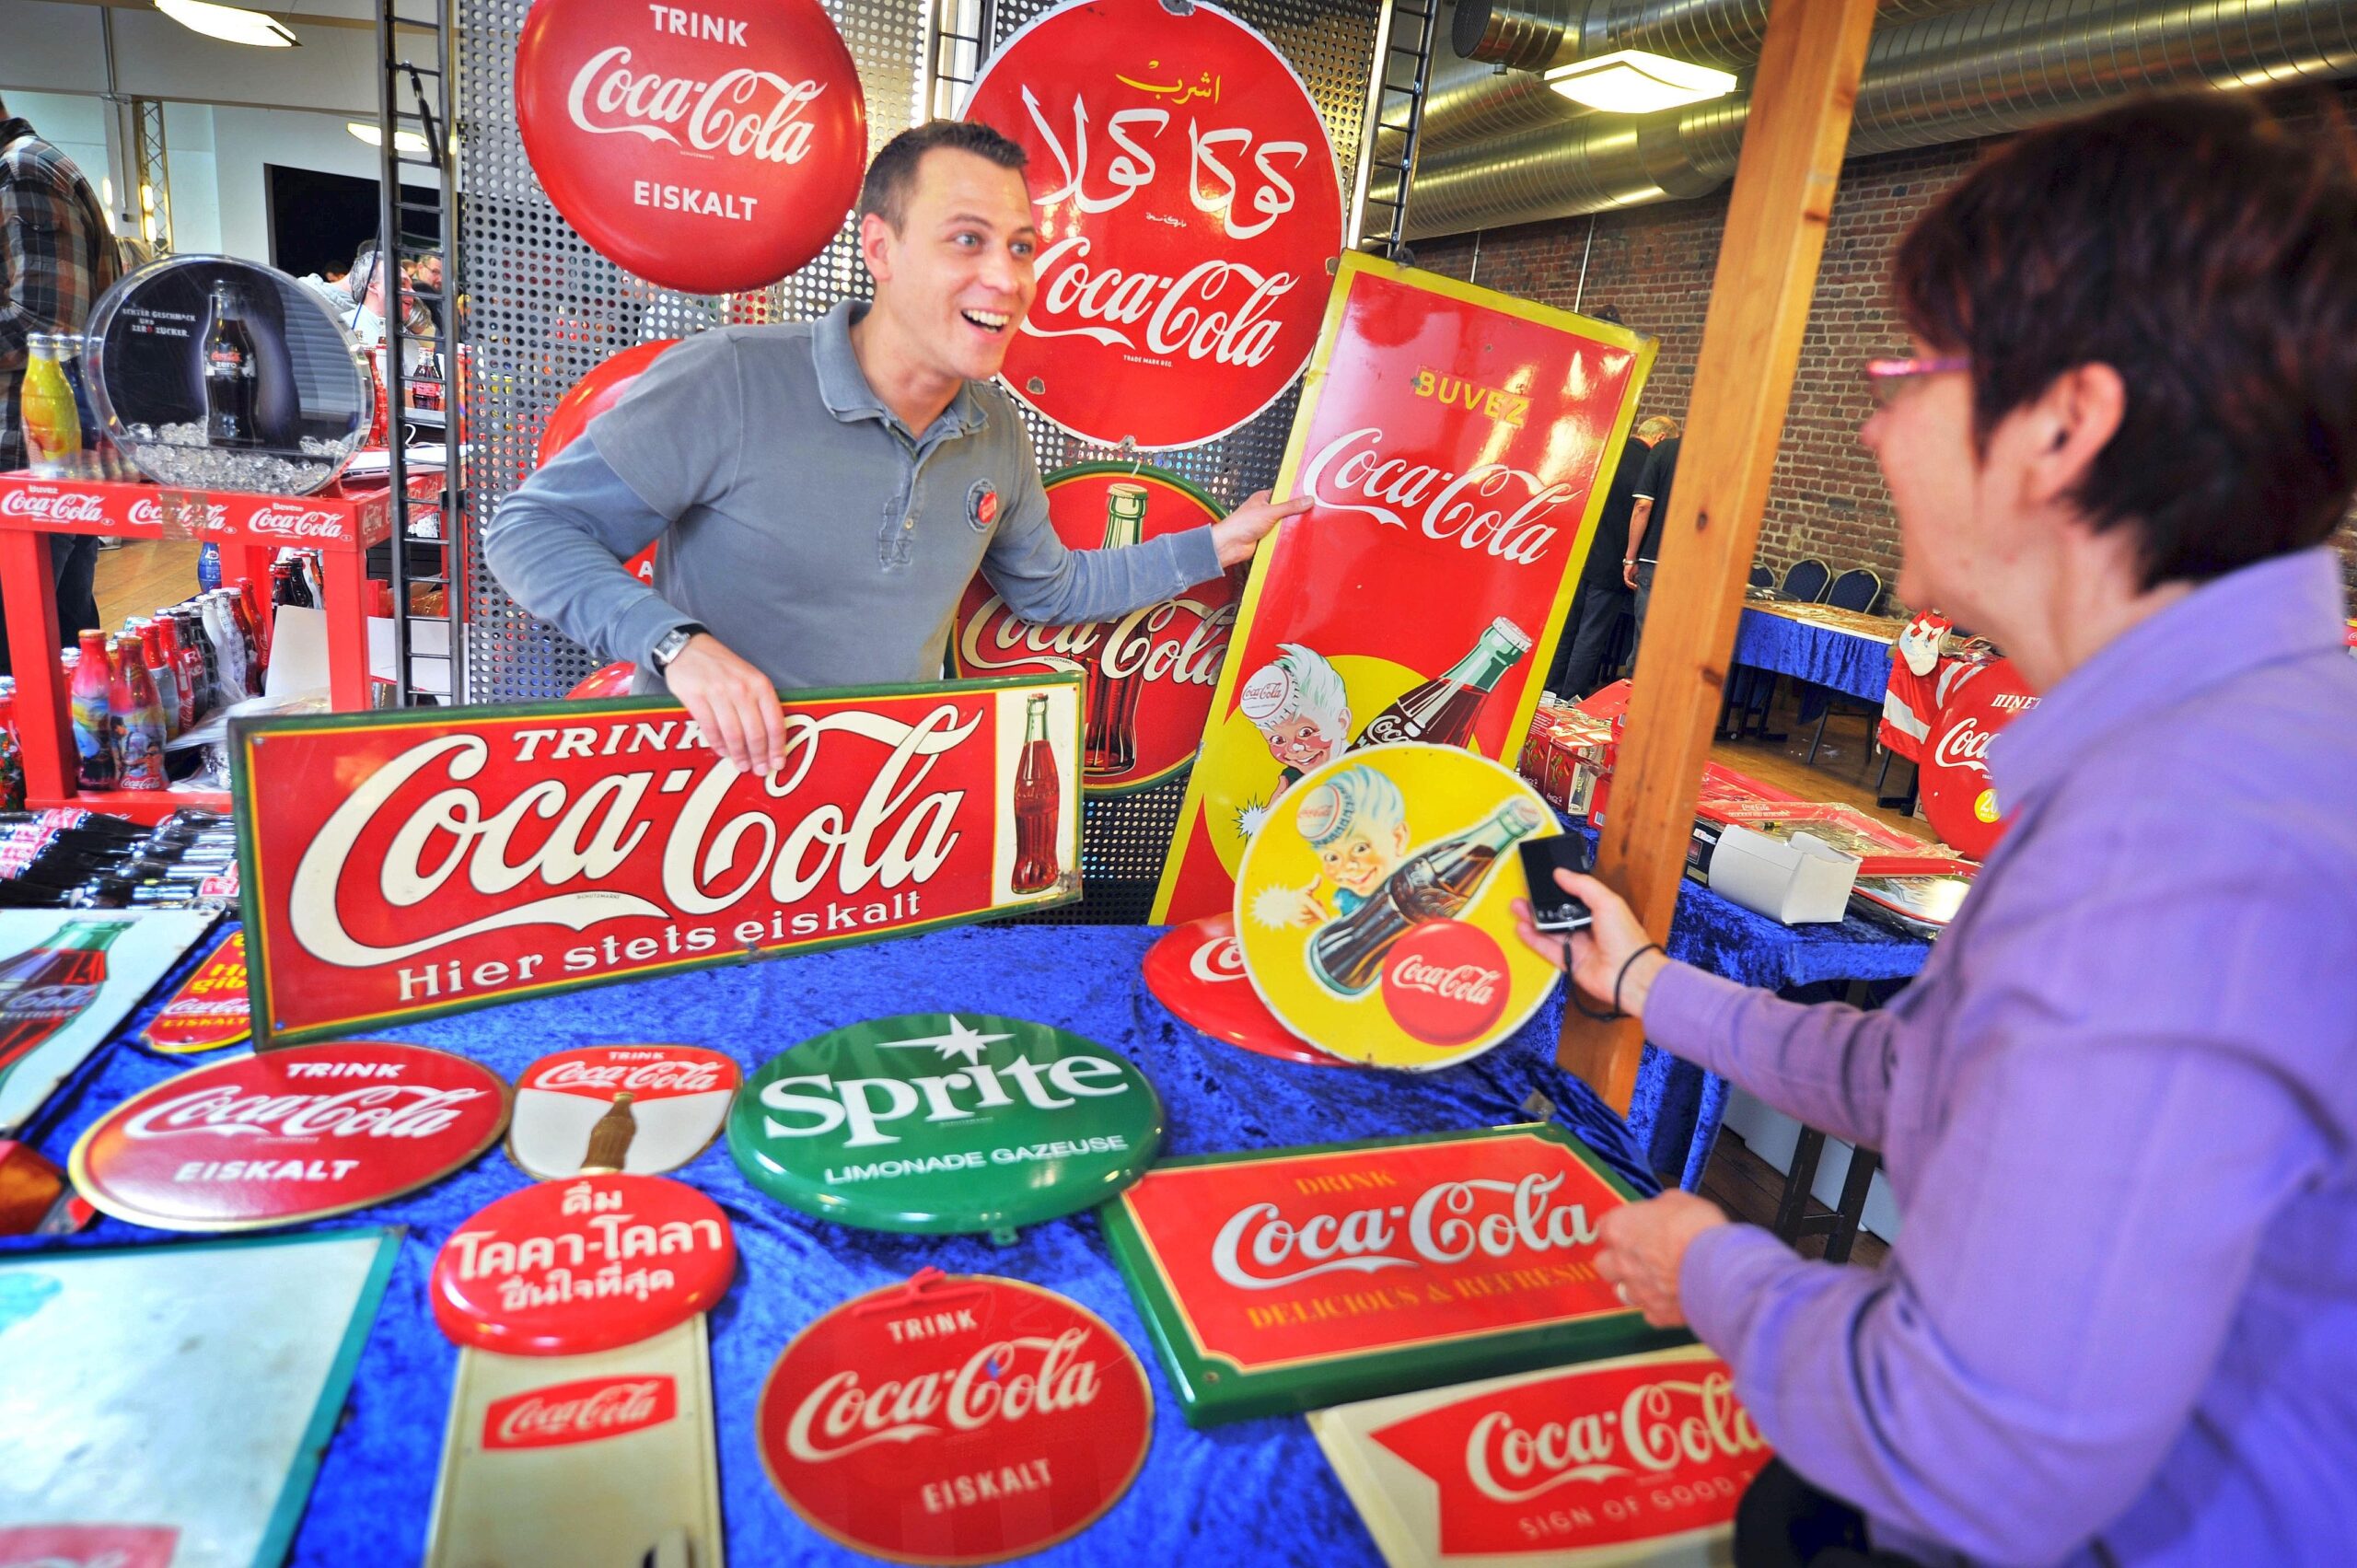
1211 1388
245 733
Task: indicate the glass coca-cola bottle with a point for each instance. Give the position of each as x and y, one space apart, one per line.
248 635
1110 741
179 656
257 624
1441 712
93 738
160 676
230 370
45 988
205 666
1346 954
1038 803
137 721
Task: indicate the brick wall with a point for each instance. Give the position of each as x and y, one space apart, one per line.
1655 264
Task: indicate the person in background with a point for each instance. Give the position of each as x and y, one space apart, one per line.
2119 1108
1603 595
1641 553
57 258
357 301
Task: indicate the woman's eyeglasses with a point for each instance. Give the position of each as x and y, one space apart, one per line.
1888 378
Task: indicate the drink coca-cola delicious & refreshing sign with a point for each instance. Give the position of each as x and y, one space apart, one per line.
1197 971
404 864
289 1135
1150 674
955 1419
1458 444
653 1107
1287 1278
710 150
1188 207
1648 1449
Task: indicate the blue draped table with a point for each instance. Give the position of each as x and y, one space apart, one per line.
1853 663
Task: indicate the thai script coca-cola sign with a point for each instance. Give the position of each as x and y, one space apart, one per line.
1150 674
1311 1275
588 1410
955 1419
708 150
421 862
1188 208
589 1264
1652 1448
1197 971
289 1135
1458 444
662 1105
1959 798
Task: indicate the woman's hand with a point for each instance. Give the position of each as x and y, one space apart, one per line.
1600 953
1642 1251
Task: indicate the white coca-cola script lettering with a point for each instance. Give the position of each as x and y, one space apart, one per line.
54 507
1659 1427
1153 644
673 1077
1006 1380
1471 983
536 1420
1218 962
745 113
1447 1225
292 523
1491 507
378 1110
1965 746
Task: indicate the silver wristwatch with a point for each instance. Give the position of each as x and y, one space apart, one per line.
672 644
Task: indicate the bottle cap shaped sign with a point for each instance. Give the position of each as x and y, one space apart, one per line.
955 1419
1188 209
1372 906
289 1135
569 1267
1197 971
708 150
944 1124
641 1109
1959 798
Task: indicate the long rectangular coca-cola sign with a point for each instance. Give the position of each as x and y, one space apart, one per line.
1458 444
332 519
402 865
1287 1278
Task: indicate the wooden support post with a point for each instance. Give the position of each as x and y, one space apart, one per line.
1792 143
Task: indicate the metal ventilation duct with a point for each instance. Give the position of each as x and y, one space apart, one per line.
1997 66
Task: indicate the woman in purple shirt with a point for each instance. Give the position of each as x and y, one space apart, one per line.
2118 1109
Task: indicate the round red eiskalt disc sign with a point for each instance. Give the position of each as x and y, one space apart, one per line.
1151 674
955 1419
1197 971
1959 798
1188 205
589 1264
284 1136
674 1097
711 150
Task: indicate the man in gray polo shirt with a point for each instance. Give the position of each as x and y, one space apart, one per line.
824 491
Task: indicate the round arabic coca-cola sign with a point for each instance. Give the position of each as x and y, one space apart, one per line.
955 1419
709 150
1151 674
642 1109
284 1136
1197 971
1959 798
569 1267
1188 211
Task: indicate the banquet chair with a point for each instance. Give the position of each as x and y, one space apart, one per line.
1763 577
1858 589
1806 581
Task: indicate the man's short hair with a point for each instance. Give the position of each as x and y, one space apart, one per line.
1659 427
893 172
2210 257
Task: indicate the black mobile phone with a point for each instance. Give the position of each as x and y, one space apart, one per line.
1551 908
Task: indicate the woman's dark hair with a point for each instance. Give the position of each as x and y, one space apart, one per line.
2208 256
892 173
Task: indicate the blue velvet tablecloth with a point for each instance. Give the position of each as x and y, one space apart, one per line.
1254 1491
1848 663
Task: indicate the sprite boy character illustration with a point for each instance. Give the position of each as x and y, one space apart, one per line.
1357 821
1299 704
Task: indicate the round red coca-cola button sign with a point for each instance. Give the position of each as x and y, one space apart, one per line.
589 1264
1197 971
708 149
1446 982
284 1136
1188 209
955 1419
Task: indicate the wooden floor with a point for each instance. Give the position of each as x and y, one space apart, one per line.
1747 1188
140 578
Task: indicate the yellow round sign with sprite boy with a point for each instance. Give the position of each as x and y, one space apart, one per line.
1372 906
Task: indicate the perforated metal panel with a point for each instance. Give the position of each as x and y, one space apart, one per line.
545 309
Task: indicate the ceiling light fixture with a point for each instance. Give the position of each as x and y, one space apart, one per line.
1630 81
410 142
231 24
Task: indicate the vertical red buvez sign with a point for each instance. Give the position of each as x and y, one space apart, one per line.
1458 443
402 865
1188 206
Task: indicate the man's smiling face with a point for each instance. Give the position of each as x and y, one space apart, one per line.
956 275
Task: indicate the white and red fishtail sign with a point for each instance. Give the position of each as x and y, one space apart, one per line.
398 865
1458 443
1188 205
709 150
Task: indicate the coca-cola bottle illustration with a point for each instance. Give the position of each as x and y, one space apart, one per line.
93 736
229 369
611 1137
1037 802
1346 954
45 988
1111 742
137 720
1441 712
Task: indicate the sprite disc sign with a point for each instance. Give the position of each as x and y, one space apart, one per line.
944 1124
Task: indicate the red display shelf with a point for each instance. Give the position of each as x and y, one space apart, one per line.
339 522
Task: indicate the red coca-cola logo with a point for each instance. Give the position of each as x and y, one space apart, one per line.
289 1135
1188 211
1197 971
1959 798
587 1411
955 1420
648 1072
677 1096
1446 982
707 150
53 505
1152 674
